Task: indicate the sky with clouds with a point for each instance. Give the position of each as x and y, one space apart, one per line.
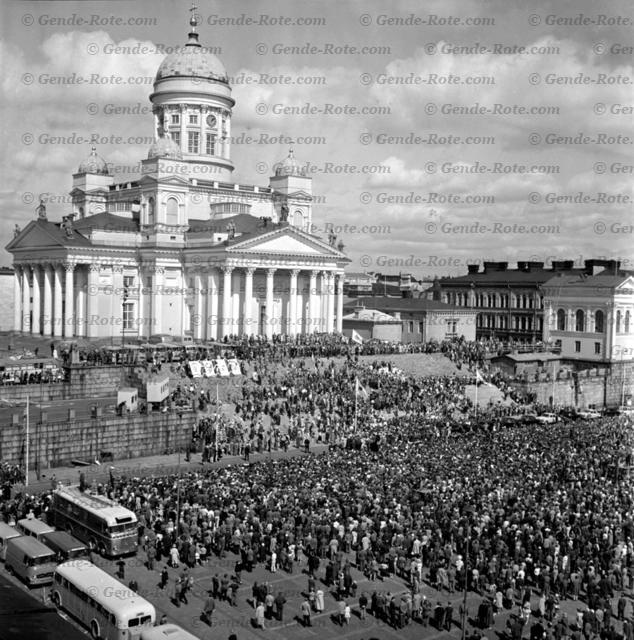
452 137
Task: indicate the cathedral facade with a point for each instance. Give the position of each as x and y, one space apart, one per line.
183 250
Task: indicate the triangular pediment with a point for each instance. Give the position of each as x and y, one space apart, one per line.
627 284
42 234
286 241
153 180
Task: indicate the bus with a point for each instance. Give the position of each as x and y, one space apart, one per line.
98 521
64 545
6 533
33 527
100 602
31 560
167 631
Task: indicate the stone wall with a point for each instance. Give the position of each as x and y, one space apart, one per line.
597 387
132 436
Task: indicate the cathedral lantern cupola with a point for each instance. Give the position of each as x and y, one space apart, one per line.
90 186
293 190
192 106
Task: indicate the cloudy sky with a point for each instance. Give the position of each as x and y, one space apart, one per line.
411 177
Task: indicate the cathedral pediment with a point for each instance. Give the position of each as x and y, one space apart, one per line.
40 234
286 241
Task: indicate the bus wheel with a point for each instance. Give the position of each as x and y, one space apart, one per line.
94 630
56 598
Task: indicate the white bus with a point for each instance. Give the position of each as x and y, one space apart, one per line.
100 602
102 524
167 631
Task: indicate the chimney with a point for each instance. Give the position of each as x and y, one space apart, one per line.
473 268
563 265
522 266
593 266
535 266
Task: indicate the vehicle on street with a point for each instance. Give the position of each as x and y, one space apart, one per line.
547 418
100 602
30 560
589 414
33 527
101 523
6 533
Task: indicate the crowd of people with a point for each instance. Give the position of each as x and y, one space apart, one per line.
411 487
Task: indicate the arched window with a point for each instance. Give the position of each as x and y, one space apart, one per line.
599 321
171 211
618 321
627 322
580 320
561 320
150 211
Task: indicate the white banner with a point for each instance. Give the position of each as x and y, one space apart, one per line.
221 367
209 369
234 367
194 367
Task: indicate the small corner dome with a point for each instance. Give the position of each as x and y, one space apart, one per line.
164 147
94 164
289 166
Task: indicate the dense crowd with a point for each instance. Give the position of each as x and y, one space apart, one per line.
411 487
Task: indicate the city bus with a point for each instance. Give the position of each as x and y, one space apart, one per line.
100 602
167 631
31 560
33 527
64 545
101 523
6 533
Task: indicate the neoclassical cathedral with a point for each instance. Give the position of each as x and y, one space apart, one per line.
183 250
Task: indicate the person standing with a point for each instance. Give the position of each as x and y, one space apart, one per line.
259 616
305 610
209 607
280 600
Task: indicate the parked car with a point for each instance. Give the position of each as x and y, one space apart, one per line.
589 414
625 410
547 418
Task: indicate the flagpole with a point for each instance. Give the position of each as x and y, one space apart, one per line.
26 466
476 394
356 394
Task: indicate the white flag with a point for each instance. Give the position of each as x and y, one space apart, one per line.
359 389
479 378
356 337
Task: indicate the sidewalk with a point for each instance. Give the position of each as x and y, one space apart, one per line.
152 465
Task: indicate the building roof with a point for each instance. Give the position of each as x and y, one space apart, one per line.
604 279
509 276
107 222
373 316
385 303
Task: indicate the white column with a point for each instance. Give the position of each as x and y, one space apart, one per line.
227 300
212 320
69 300
270 275
47 319
80 311
199 312
57 301
92 301
17 298
330 297
183 144
312 303
293 324
248 324
156 300
339 323
36 300
26 300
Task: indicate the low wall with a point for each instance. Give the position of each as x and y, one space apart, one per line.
58 443
590 387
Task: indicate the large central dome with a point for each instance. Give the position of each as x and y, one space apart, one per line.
192 61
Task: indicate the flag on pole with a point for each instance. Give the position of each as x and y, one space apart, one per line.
359 389
479 378
356 337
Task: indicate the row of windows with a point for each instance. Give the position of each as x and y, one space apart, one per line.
581 321
494 300
84 597
193 142
518 323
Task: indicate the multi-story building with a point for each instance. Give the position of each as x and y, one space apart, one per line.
590 315
183 250
508 302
